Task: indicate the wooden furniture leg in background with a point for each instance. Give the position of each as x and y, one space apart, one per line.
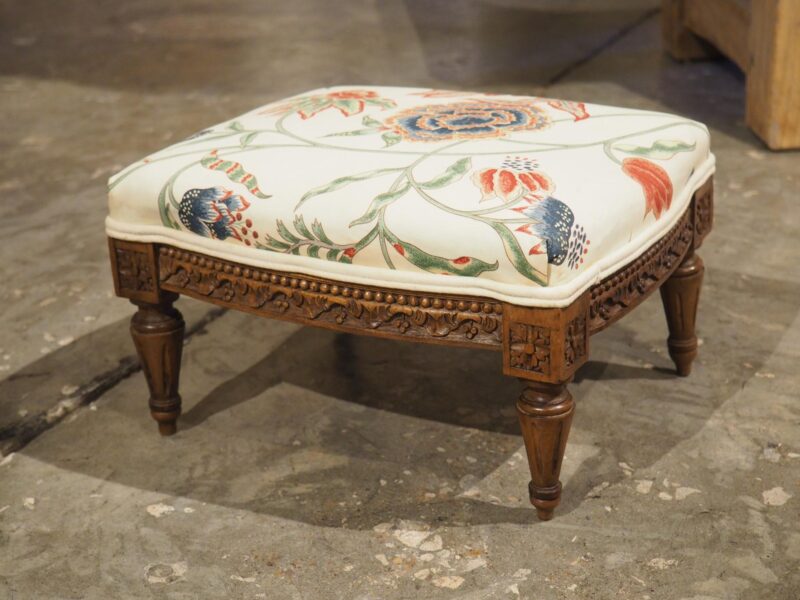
680 295
773 76
545 415
760 36
157 331
679 40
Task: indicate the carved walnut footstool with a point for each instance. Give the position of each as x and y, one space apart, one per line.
517 224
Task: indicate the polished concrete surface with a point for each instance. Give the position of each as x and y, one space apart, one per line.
317 465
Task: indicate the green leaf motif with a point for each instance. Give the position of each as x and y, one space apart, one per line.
380 201
285 233
340 182
236 126
163 209
382 102
245 140
300 226
453 173
319 232
271 243
390 138
311 105
368 121
313 241
348 106
661 149
466 266
516 255
167 199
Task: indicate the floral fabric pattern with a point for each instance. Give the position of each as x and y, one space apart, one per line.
347 102
467 120
212 212
655 183
515 192
516 177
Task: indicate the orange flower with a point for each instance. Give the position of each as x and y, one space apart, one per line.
576 109
655 183
510 183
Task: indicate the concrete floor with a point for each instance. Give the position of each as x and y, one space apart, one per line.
298 472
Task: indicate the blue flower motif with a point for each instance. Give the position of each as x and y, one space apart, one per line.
553 222
466 120
212 212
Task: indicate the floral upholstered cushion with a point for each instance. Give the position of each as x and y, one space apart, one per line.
524 199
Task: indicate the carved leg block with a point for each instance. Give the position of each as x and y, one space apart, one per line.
680 295
157 331
545 414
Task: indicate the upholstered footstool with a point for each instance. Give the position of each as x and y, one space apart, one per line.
517 224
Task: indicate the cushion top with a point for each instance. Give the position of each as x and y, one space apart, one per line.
523 199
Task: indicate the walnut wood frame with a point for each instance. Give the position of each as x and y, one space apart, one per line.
541 346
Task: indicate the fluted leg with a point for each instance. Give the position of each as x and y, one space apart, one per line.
680 295
545 414
157 331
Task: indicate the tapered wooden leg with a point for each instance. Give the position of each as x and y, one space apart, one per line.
680 295
157 331
545 414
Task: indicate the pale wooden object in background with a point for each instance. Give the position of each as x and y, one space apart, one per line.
763 38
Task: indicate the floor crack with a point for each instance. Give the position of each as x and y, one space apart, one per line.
21 433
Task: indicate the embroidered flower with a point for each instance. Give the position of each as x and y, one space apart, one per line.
517 177
347 102
554 223
466 120
655 183
214 212
576 109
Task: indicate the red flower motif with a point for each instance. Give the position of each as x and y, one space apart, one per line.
655 183
537 249
514 179
576 109
353 94
350 252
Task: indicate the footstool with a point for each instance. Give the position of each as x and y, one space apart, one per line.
509 223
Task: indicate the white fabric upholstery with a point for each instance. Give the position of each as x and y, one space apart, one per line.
524 199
